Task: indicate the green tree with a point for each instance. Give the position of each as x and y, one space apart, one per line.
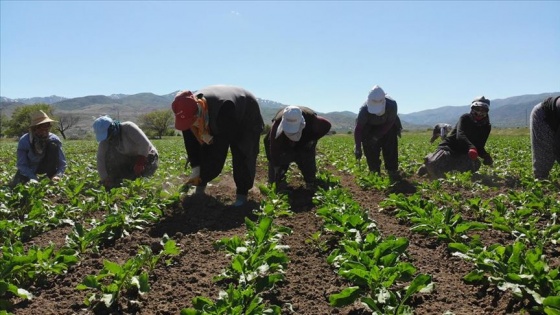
18 125
3 122
157 122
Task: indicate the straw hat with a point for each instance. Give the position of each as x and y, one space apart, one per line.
39 117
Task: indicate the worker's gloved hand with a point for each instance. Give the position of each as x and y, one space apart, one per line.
140 165
473 154
488 160
107 183
194 177
358 152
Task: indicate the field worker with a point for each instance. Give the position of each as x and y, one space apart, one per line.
39 152
461 149
377 129
440 130
293 137
124 152
218 118
545 136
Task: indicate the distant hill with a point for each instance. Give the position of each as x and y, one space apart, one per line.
509 112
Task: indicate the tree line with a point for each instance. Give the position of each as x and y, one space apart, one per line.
156 124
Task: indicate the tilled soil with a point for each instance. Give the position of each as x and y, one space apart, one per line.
198 223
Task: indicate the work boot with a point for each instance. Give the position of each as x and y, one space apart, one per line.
200 190
240 200
395 176
422 171
310 185
281 186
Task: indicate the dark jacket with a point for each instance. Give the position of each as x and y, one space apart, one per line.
551 107
372 126
233 112
467 134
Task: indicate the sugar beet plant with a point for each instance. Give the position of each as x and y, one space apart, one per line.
132 276
366 259
524 271
98 217
526 210
258 263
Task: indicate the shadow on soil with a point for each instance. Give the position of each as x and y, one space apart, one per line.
204 212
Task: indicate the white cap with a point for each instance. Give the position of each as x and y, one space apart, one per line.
292 121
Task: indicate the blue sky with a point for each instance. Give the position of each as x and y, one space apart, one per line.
322 54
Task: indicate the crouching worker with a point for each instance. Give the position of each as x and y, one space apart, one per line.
293 137
461 149
440 131
124 152
213 120
545 136
39 152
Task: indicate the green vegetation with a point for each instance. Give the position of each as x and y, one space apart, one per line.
520 212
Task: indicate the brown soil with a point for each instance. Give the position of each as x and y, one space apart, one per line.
309 280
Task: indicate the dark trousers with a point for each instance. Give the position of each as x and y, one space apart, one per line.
48 165
441 162
244 154
386 145
302 154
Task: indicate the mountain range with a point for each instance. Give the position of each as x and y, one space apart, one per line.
508 112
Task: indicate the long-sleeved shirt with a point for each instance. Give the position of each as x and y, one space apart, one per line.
315 128
545 136
28 161
467 134
371 125
131 141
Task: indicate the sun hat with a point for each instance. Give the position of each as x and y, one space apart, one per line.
101 127
292 121
481 101
39 117
376 101
185 108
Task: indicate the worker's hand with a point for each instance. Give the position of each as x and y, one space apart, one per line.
55 178
473 154
358 152
140 165
107 183
488 160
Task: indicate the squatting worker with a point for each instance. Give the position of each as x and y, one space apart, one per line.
124 152
377 130
39 152
545 136
461 149
213 120
293 137
440 131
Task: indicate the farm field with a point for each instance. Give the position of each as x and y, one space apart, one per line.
485 243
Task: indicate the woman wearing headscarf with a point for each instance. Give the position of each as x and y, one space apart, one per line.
464 145
545 136
39 152
215 119
377 130
293 137
124 152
